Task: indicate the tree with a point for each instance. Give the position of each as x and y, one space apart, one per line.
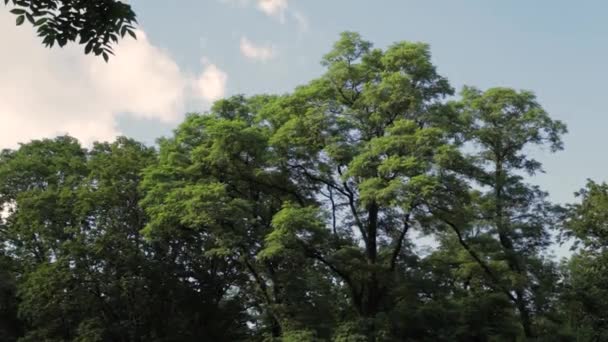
330 177
82 270
216 192
363 138
508 214
585 289
96 24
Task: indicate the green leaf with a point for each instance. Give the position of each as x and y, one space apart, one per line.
30 18
17 11
88 47
20 20
40 21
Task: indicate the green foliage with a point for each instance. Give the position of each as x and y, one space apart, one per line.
84 270
501 125
585 284
95 24
292 225
588 220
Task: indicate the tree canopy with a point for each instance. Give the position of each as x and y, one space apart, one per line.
295 217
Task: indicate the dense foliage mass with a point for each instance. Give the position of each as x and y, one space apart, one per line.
295 218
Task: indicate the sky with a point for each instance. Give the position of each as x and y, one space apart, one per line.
192 52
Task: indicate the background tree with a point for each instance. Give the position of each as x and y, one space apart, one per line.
586 285
500 217
83 271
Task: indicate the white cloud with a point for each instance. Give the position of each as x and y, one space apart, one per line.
274 8
47 92
211 84
256 52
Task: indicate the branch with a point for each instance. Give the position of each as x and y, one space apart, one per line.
353 208
318 179
333 212
259 281
278 187
399 245
347 279
346 192
483 265
338 88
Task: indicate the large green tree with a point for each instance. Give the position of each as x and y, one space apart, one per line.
364 139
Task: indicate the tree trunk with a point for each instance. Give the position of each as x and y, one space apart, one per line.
509 249
372 297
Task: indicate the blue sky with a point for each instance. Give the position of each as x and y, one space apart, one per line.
558 49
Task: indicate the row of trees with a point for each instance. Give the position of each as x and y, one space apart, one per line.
294 217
